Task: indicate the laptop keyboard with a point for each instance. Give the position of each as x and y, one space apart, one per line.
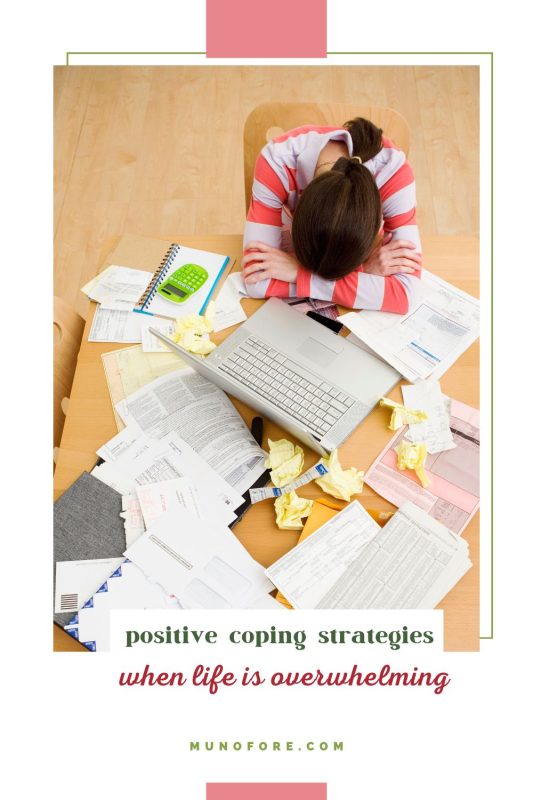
302 395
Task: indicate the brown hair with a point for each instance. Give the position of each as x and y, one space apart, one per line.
338 215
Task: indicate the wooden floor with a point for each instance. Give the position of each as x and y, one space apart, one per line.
158 150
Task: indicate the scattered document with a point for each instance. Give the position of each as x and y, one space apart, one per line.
310 569
200 413
453 495
153 461
119 286
128 369
203 564
112 325
412 562
118 445
434 431
126 587
76 581
155 499
441 325
228 309
133 518
150 343
90 285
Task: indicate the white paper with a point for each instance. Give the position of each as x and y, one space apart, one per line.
126 587
203 564
118 445
155 499
152 461
306 573
134 525
111 325
435 430
442 323
412 562
77 581
121 284
201 414
150 343
228 309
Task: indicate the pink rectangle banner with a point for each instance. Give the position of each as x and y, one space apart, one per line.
266 791
277 29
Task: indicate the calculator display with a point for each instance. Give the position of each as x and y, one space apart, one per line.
174 290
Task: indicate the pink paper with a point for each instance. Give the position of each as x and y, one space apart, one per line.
277 29
266 791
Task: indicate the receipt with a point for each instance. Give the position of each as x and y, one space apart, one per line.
412 455
339 482
435 433
401 415
256 495
289 511
286 461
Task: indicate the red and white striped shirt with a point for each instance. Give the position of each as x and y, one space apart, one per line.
285 166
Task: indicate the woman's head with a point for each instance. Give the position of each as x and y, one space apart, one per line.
338 215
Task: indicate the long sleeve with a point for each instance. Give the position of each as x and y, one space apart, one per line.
274 183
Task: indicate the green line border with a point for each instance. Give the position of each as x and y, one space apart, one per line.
399 53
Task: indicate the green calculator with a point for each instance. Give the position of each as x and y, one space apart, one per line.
183 283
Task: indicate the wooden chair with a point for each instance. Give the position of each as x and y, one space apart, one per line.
272 119
68 330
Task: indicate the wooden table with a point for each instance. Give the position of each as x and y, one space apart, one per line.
90 423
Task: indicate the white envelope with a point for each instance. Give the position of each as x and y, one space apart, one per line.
126 587
201 562
76 581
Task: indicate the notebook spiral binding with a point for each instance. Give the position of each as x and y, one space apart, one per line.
161 273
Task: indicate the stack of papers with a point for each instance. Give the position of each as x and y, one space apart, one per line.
442 323
350 562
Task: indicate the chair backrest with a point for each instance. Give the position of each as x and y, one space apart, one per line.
269 120
68 330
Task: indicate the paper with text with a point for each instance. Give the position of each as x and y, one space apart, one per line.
441 324
435 430
203 564
201 414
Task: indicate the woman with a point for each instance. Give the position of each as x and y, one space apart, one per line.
330 190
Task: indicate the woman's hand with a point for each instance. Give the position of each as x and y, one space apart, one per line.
261 261
393 256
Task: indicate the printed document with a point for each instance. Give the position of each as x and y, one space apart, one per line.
152 461
412 562
228 309
155 499
452 496
120 287
441 325
308 571
150 343
133 519
203 564
200 413
128 369
113 325
435 430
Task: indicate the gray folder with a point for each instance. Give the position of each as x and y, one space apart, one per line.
87 525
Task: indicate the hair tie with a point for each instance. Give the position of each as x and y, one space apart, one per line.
357 158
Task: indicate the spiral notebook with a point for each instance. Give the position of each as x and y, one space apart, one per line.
154 304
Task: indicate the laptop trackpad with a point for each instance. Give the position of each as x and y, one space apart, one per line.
318 352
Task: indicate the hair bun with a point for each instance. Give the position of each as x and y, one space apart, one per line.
347 166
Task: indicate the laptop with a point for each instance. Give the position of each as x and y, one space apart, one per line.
316 385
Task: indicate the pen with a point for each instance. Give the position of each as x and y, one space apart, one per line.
257 430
